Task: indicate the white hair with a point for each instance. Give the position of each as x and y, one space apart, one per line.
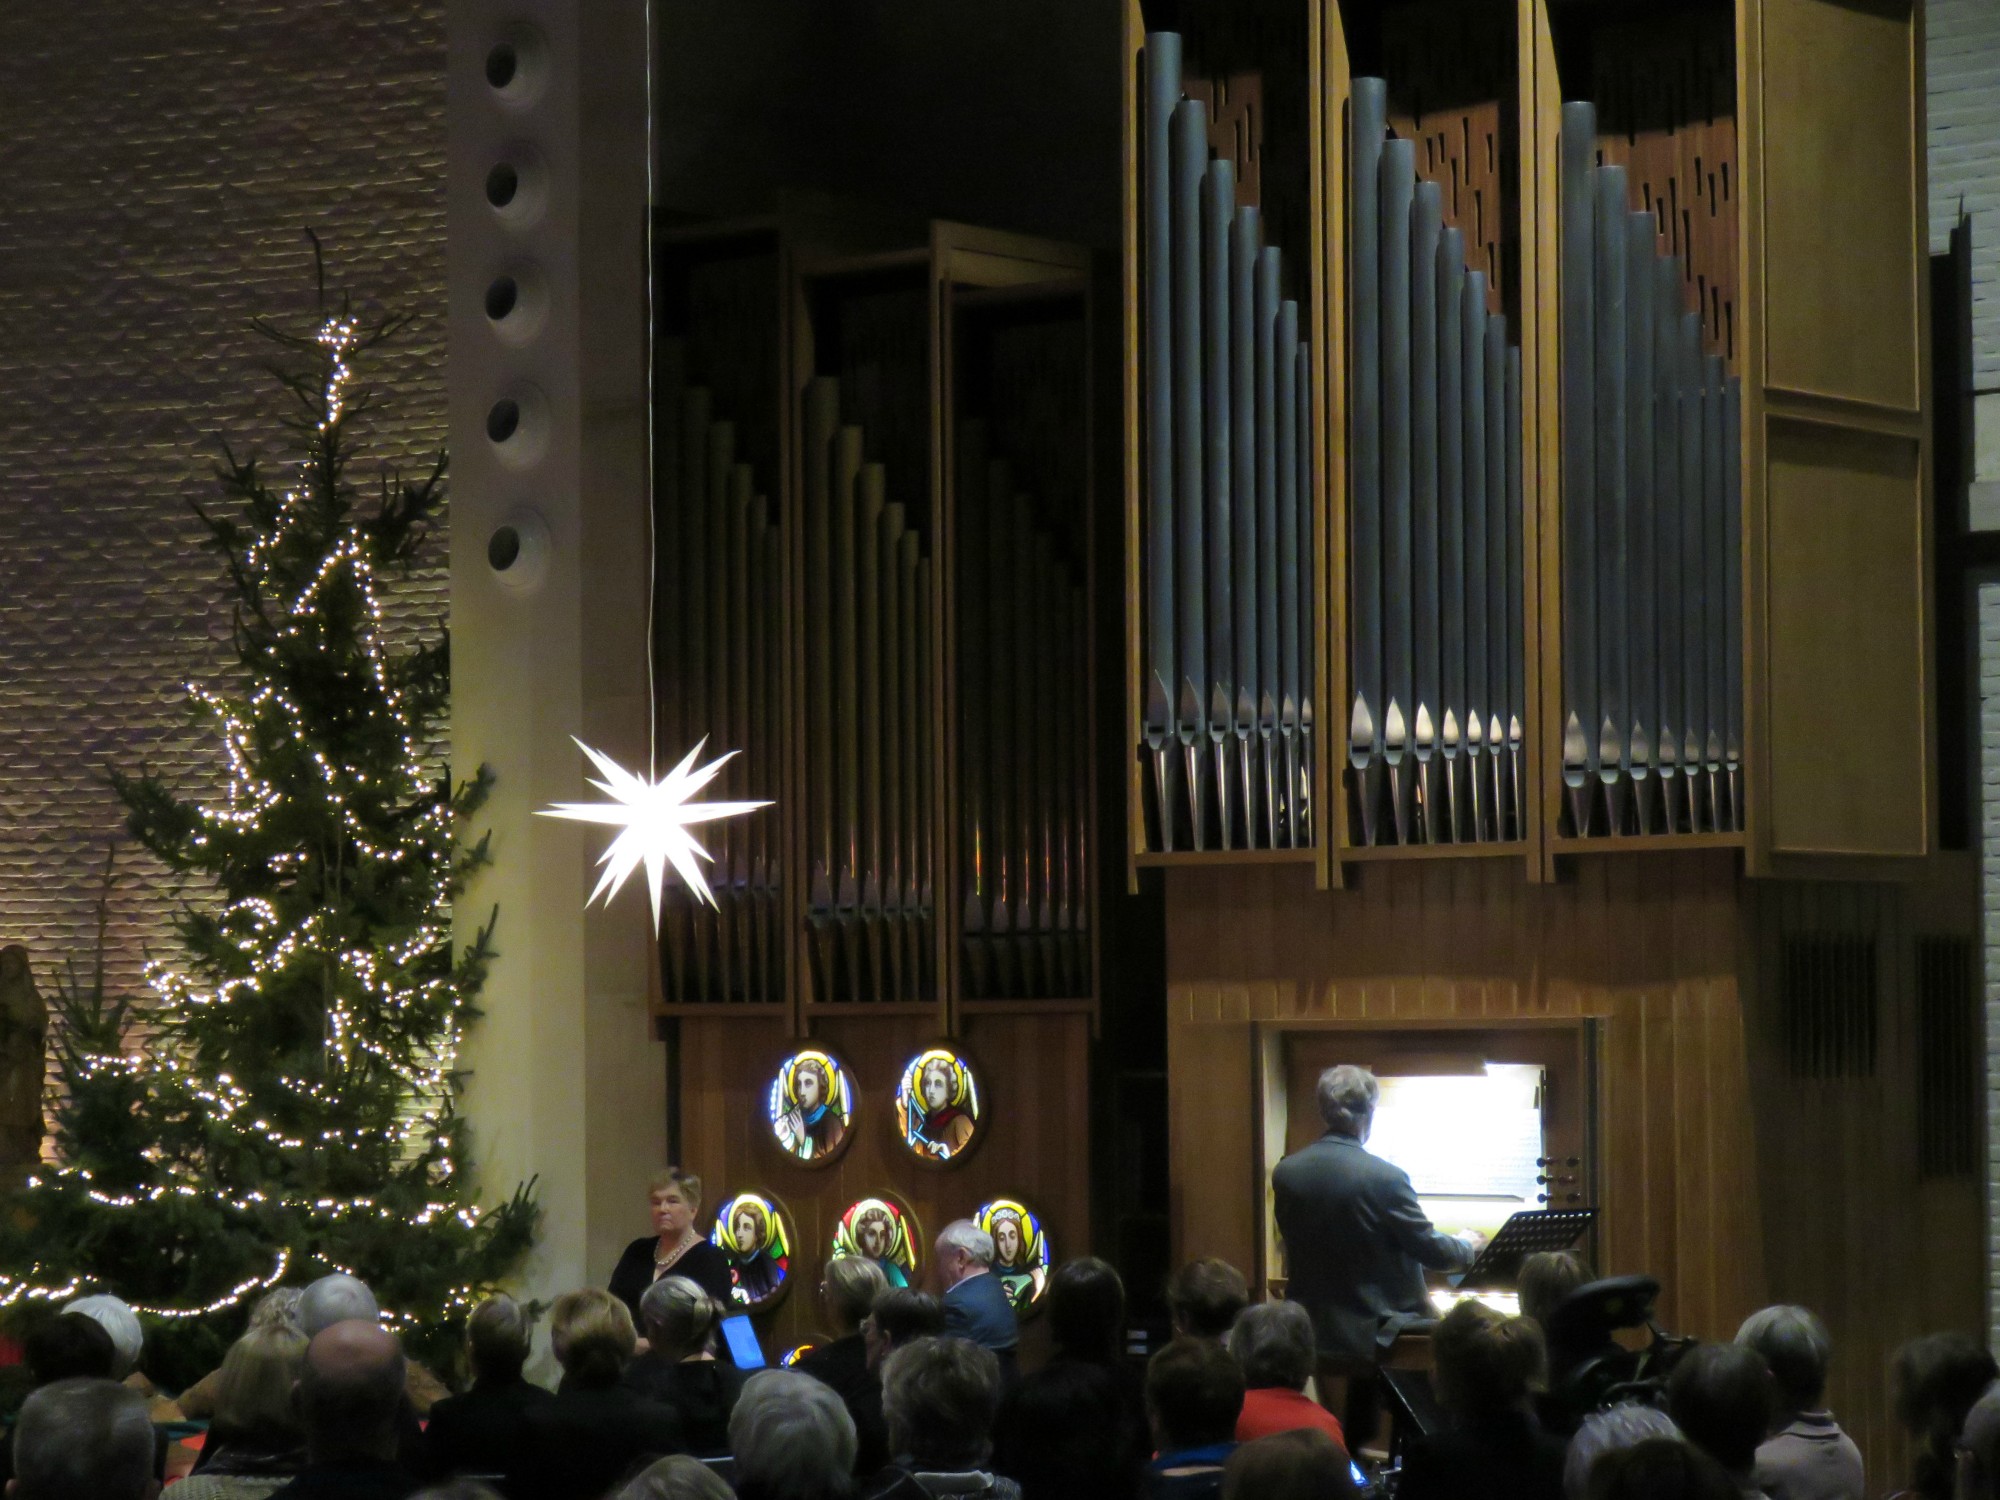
792 1437
1346 1096
338 1298
128 1339
1625 1425
83 1437
963 1234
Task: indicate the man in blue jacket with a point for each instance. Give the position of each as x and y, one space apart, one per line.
976 1305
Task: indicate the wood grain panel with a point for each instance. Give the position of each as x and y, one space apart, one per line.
1841 204
1035 1144
1844 678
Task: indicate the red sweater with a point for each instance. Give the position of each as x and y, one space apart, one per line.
1275 1409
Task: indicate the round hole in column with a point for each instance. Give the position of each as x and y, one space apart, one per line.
503 184
503 295
516 65
517 426
503 420
503 548
517 550
516 302
516 184
503 65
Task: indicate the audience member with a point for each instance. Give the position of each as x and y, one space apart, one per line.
83 1439
278 1307
1204 1297
480 1432
1301 1463
350 1400
792 1438
254 1445
1979 1450
1194 1396
1661 1469
69 1346
1488 1370
900 1316
339 1297
940 1396
976 1305
1623 1426
1545 1278
1937 1380
678 1478
1807 1456
847 1291
1077 1426
1273 1342
576 1446
1719 1395
679 1369
115 1317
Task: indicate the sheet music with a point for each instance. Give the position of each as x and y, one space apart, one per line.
1465 1135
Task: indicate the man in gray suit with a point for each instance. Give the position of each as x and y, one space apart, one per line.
1356 1241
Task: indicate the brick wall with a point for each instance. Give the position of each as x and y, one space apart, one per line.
161 157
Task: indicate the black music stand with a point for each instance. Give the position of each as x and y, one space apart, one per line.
1526 1233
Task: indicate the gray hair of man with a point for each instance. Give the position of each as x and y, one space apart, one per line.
965 1236
83 1437
1612 1430
1273 1341
939 1398
677 1478
1347 1096
792 1437
497 1336
1795 1345
338 1298
128 1339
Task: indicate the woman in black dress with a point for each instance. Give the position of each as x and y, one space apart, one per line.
674 1248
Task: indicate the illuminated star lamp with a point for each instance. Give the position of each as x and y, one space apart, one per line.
655 817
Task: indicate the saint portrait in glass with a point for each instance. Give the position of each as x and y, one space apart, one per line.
937 1105
751 1233
811 1106
1020 1250
881 1231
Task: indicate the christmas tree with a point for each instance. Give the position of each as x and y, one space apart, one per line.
280 1104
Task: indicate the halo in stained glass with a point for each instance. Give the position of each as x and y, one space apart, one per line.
938 1112
755 1236
792 1356
1021 1252
883 1231
811 1106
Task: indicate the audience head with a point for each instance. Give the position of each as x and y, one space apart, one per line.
1204 1297
83 1439
1979 1450
253 1390
1936 1380
939 1397
1302 1465
278 1308
497 1336
849 1288
677 1478
1487 1363
792 1437
128 1339
1194 1394
1546 1278
592 1334
680 1318
1273 1342
1623 1426
338 1298
1661 1469
1347 1096
963 1249
901 1315
1795 1347
1086 1307
69 1346
350 1392
1719 1395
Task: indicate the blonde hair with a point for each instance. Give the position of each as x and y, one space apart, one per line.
253 1390
688 1184
593 1336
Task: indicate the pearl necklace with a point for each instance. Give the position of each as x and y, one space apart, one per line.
688 1240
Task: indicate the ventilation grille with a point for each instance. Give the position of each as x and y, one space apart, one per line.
1948 1058
1827 997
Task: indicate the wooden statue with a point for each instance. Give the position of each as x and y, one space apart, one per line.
24 1029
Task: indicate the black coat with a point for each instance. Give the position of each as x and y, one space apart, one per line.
1506 1457
480 1432
579 1443
704 1265
701 1393
843 1366
1356 1245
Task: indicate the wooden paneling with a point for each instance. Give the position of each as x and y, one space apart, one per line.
1034 1145
1846 674
1842 205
